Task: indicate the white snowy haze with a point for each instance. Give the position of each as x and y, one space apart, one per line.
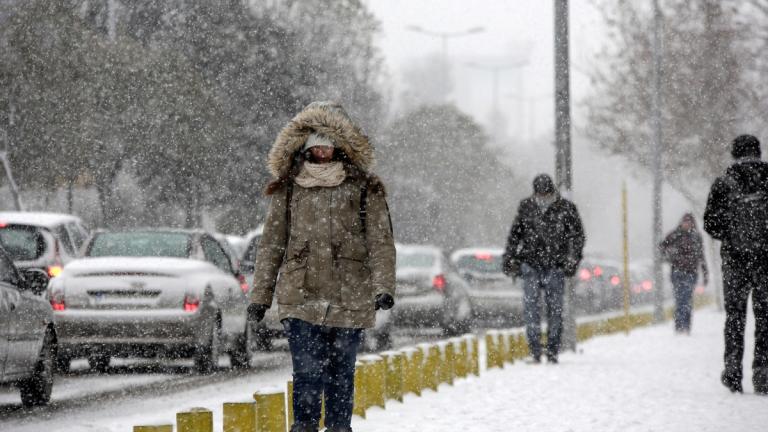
521 31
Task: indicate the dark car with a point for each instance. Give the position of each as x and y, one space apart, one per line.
27 333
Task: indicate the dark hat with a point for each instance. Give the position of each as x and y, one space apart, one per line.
745 145
543 184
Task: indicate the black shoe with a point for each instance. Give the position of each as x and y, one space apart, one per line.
533 360
552 359
732 382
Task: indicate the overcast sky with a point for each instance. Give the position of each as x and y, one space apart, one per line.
516 29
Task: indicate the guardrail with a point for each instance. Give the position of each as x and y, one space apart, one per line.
389 375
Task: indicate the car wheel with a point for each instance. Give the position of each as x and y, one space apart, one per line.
241 357
99 362
36 390
207 356
63 362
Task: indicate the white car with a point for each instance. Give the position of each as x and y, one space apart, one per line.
147 293
496 299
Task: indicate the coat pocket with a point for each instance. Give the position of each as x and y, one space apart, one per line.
356 290
290 282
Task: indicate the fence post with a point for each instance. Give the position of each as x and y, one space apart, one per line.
359 403
270 411
194 420
448 373
431 371
475 356
239 417
411 372
395 370
375 383
490 350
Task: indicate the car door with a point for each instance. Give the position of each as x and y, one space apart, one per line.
20 347
226 288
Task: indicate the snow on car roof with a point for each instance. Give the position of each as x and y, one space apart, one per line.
40 219
410 248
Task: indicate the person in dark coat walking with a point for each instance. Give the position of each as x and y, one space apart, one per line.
544 247
737 215
682 248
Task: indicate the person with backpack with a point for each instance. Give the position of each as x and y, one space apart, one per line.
737 215
544 247
328 256
683 249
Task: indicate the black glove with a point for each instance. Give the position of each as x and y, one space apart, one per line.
256 312
511 268
570 267
384 302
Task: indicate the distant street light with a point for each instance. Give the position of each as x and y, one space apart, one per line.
444 36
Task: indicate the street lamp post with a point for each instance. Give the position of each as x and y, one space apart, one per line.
495 69
444 36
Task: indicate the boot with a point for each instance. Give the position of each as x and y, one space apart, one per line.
732 382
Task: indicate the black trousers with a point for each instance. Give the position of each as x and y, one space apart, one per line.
741 277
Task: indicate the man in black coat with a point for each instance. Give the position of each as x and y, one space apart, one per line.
737 215
544 246
682 248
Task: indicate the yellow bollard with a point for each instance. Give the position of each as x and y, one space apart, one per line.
522 344
394 381
239 417
448 372
289 404
195 420
411 372
501 345
475 365
431 369
159 428
460 362
375 383
490 350
270 411
359 402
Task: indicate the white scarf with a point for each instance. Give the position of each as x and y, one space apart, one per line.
324 175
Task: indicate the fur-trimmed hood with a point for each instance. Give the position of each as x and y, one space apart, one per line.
325 118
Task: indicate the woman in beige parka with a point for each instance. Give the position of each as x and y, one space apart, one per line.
327 255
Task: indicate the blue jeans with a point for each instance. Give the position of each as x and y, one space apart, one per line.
323 364
552 283
682 284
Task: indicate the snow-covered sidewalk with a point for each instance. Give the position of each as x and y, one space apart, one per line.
651 380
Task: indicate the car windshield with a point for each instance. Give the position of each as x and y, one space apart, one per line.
23 243
415 259
480 263
140 244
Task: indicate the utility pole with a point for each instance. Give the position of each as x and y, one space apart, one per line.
563 146
495 69
444 36
658 300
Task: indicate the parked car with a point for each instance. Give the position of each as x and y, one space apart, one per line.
598 286
158 292
269 328
46 241
429 292
496 299
27 333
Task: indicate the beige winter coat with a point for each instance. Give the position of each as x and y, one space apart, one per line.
330 269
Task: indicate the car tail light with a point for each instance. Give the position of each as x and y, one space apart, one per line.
483 256
57 301
3 224
597 271
615 280
54 270
243 283
584 274
647 285
438 283
191 303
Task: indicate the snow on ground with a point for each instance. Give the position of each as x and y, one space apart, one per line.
652 380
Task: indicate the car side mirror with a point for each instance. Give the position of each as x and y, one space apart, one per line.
36 280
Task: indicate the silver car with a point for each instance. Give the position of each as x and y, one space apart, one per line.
269 328
27 333
496 299
146 293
